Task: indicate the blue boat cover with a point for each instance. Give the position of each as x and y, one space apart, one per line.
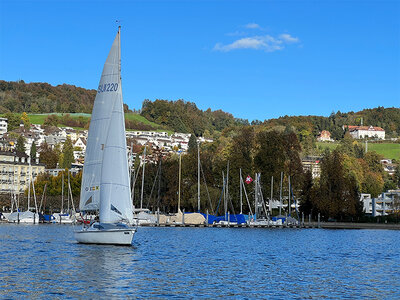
239 218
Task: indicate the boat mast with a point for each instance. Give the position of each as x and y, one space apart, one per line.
227 190
69 184
272 193
198 177
144 165
62 191
29 185
255 196
241 203
289 198
179 183
280 196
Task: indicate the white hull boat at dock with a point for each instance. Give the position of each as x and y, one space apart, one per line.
26 217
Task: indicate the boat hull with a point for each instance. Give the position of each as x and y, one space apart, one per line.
106 236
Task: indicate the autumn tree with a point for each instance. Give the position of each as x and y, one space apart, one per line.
25 119
48 156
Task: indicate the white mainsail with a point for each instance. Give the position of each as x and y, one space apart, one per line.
108 93
115 191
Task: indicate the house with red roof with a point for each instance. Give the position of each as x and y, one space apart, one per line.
361 132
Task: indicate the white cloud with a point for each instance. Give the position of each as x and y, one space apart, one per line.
266 43
288 38
252 26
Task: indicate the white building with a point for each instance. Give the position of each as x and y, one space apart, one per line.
3 126
385 204
361 132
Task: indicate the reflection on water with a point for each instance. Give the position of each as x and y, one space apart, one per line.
45 261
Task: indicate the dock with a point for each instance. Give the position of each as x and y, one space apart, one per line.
306 225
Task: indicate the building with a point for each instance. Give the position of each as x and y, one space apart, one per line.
324 136
388 166
383 205
361 132
14 171
313 164
3 126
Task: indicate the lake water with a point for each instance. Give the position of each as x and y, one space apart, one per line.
42 261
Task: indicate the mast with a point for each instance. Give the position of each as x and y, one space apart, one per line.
29 184
227 190
69 188
179 184
62 191
144 165
198 177
223 193
255 196
280 196
272 193
289 197
241 203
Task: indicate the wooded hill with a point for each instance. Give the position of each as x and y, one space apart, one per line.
182 116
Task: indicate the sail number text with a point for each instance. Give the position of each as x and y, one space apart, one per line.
107 87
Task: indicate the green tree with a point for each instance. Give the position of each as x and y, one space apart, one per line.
13 121
33 150
67 155
20 146
306 200
192 145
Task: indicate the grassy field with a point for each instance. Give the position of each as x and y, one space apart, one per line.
388 150
39 119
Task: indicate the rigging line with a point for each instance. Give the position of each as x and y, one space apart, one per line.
159 185
247 198
208 194
220 197
152 188
262 199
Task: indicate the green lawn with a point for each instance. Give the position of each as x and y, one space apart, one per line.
39 119
388 150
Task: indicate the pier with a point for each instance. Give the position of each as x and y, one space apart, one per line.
306 225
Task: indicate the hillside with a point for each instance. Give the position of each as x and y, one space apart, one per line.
180 115
387 118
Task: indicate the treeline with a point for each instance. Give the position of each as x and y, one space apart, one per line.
387 118
39 97
345 174
183 116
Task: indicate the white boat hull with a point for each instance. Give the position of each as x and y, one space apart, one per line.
109 235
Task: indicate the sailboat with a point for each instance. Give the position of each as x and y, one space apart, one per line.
105 181
27 216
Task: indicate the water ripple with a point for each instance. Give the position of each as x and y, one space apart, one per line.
45 261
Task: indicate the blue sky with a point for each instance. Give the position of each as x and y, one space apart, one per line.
254 59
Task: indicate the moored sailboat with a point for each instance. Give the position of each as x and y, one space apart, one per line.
105 181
